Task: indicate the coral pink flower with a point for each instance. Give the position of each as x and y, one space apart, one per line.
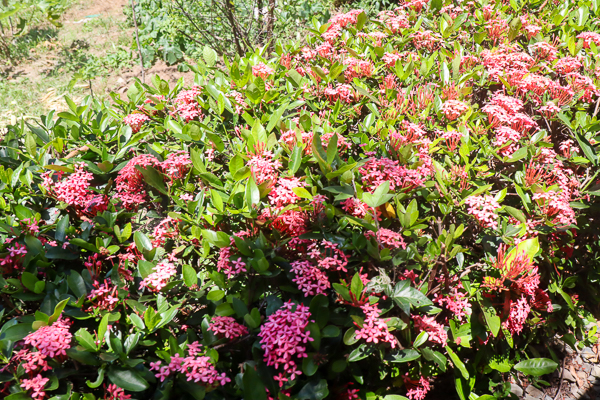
437 333
130 182
452 109
482 208
262 70
135 121
51 340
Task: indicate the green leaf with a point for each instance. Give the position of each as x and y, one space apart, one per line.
58 309
210 56
518 155
190 278
235 164
61 229
295 159
102 328
403 294
518 214
215 295
530 247
219 239
587 148
252 193
86 340
127 379
536 366
98 381
457 363
16 332
253 387
83 244
76 284
489 313
313 391
153 178
142 242
405 355
356 287
361 352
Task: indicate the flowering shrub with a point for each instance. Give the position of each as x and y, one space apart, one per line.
404 201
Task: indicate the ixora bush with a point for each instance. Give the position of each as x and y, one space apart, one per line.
400 203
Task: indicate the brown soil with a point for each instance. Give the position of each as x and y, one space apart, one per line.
44 57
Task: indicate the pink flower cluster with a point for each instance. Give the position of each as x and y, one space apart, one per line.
130 182
387 238
282 339
158 279
482 208
262 70
263 166
135 121
227 327
437 333
51 340
310 279
74 190
116 393
196 367
417 388
452 109
177 164
188 107
36 385
374 329
104 296
328 255
227 266
12 261
167 229
378 170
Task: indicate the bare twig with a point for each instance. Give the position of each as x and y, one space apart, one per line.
562 373
137 39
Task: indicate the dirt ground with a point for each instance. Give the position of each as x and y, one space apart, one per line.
102 25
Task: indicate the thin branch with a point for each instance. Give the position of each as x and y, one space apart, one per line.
137 39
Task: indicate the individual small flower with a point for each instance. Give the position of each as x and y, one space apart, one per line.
135 121
226 327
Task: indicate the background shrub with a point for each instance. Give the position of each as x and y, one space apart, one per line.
408 200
